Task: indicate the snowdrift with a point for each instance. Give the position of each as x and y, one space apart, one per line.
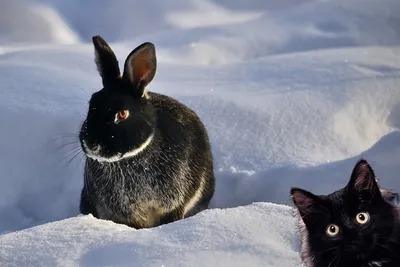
293 96
23 21
244 236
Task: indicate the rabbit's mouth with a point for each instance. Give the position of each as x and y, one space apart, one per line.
96 152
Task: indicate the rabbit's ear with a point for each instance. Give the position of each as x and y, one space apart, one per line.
140 68
107 63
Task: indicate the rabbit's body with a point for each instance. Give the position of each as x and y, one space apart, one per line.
166 174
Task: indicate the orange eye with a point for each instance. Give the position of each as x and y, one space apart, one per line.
123 114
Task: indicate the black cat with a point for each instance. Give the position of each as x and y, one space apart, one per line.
356 226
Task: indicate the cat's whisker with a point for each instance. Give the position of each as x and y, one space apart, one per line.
329 249
338 261
385 247
334 259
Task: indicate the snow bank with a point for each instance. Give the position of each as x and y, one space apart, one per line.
308 27
213 238
23 21
121 19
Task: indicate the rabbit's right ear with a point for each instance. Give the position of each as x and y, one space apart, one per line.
140 68
106 61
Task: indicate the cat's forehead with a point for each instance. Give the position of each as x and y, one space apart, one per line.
342 206
337 197
340 203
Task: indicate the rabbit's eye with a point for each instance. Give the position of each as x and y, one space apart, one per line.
123 114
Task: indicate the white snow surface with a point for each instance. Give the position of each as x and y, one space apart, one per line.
213 238
292 93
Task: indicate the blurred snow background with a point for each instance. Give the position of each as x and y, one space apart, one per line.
292 92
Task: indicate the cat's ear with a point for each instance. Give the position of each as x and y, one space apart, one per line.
390 196
363 180
306 202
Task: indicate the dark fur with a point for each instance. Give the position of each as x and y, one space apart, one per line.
155 186
376 243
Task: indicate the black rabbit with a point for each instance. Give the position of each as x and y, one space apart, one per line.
149 160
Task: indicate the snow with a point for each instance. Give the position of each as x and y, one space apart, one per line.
201 241
24 21
292 94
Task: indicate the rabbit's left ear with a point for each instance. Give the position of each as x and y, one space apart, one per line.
140 68
106 61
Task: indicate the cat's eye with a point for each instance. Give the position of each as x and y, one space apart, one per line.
332 230
362 217
123 114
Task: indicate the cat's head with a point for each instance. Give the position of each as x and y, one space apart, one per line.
349 224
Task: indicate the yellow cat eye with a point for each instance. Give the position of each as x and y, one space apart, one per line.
123 114
362 217
332 230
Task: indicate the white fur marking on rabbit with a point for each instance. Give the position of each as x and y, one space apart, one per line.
196 197
94 154
376 263
145 94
